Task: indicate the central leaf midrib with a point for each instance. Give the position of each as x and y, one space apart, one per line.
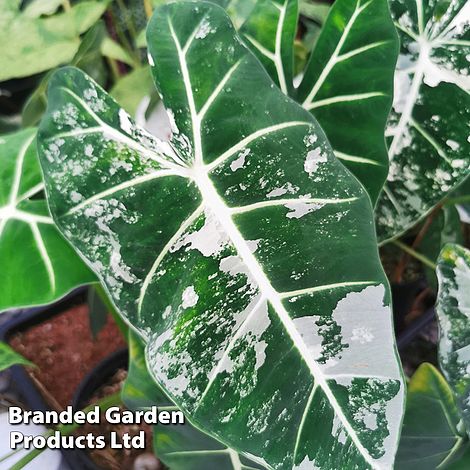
217 206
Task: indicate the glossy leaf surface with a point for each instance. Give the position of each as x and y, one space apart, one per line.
453 309
348 81
41 43
217 247
180 446
37 264
428 130
431 436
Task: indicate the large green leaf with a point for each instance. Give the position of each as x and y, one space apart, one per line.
181 447
432 436
428 129
348 81
242 250
453 309
34 44
37 264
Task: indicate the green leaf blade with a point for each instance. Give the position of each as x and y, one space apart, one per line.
172 236
430 437
46 267
9 357
43 43
357 41
427 129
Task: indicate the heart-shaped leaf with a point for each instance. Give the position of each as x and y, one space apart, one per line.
42 43
179 446
428 129
242 250
432 436
453 309
348 81
38 265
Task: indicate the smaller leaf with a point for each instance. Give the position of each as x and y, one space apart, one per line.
131 89
431 434
9 357
141 39
38 265
87 52
42 43
113 50
453 310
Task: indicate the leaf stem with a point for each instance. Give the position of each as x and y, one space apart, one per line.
415 254
148 8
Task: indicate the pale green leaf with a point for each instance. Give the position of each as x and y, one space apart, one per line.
453 310
113 50
131 89
428 131
431 437
9 357
38 265
33 45
217 247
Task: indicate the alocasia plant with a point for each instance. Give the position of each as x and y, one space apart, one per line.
38 265
348 81
428 131
217 247
453 309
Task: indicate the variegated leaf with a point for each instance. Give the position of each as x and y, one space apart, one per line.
179 446
217 246
428 130
348 81
453 309
33 43
37 264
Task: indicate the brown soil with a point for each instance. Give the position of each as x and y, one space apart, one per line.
64 351
118 459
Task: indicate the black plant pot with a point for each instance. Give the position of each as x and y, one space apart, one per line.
103 372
